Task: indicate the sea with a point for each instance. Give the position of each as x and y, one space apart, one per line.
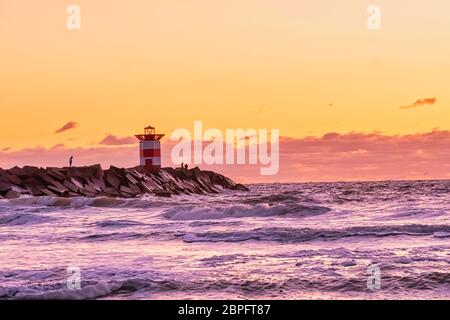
343 240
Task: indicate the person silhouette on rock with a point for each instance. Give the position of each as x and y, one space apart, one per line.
70 161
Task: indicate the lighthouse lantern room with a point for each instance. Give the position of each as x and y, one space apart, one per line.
150 148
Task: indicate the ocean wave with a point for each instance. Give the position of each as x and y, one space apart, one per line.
121 233
417 212
441 234
123 236
294 235
241 211
118 223
79 202
92 291
273 198
114 236
324 280
16 219
106 283
51 202
207 223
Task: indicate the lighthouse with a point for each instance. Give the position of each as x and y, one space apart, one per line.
150 148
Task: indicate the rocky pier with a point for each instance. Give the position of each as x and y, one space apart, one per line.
93 181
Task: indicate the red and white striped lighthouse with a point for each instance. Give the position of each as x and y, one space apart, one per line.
150 148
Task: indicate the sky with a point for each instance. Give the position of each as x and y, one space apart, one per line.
350 103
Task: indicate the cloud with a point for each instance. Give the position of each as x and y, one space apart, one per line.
68 126
420 103
112 140
352 156
58 146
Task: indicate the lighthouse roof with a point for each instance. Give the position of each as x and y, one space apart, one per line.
149 134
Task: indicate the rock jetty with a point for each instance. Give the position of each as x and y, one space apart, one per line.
93 181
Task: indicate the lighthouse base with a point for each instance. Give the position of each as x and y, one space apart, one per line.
151 164
151 167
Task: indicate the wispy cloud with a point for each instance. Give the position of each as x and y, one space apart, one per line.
112 140
58 146
68 126
420 103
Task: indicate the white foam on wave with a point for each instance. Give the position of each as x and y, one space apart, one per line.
190 237
241 211
52 201
80 202
233 211
294 235
100 289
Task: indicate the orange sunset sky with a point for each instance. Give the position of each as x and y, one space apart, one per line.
350 103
